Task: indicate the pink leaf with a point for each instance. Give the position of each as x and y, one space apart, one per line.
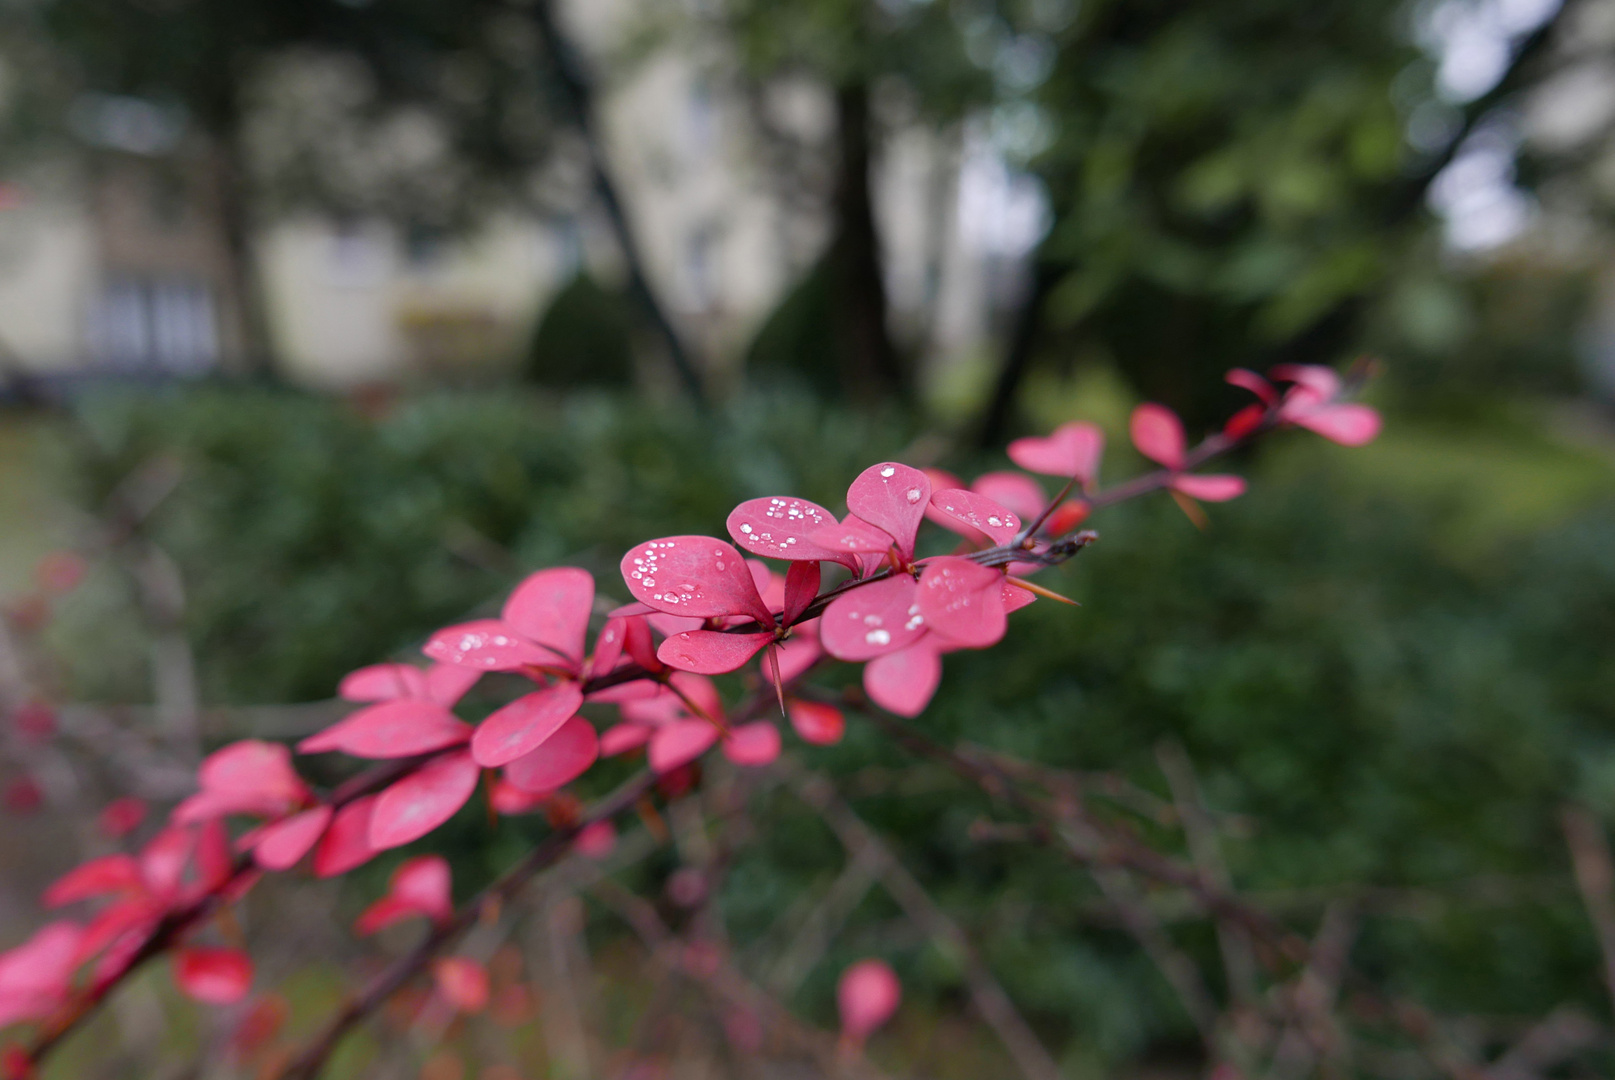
1320 382
1215 488
872 619
392 729
213 976
801 589
446 684
487 645
679 743
1014 490
1346 424
424 881
42 966
524 724
596 840
508 799
162 860
346 844
852 536
463 983
250 776
561 759
623 738
904 682
867 995
782 527
1158 434
711 652
963 601
382 682
383 913
892 497
702 692
608 646
693 576
552 608
817 723
107 874
1015 597
979 513
423 800
753 744
282 845
1249 380
1071 449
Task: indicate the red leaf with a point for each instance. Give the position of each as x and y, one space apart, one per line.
679 743
1158 434
979 513
282 845
562 758
752 744
892 497
420 886
872 619
1071 449
782 528
213 976
693 576
346 844
867 995
463 983
107 874
817 723
392 729
552 607
487 645
596 840
801 589
524 724
639 646
213 861
423 800
121 817
711 652
1216 488
904 682
963 601
382 682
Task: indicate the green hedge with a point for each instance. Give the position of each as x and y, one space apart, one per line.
1383 713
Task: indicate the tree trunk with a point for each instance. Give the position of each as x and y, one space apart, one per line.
870 365
245 283
1018 356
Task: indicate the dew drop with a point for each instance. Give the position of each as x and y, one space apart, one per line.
913 495
888 472
878 637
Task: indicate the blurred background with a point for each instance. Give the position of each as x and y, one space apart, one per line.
323 321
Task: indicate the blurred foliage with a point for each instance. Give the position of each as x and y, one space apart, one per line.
1382 705
583 338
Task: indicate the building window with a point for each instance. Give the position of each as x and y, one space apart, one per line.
157 325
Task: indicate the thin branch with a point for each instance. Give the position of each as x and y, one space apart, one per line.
1595 877
986 994
308 1064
